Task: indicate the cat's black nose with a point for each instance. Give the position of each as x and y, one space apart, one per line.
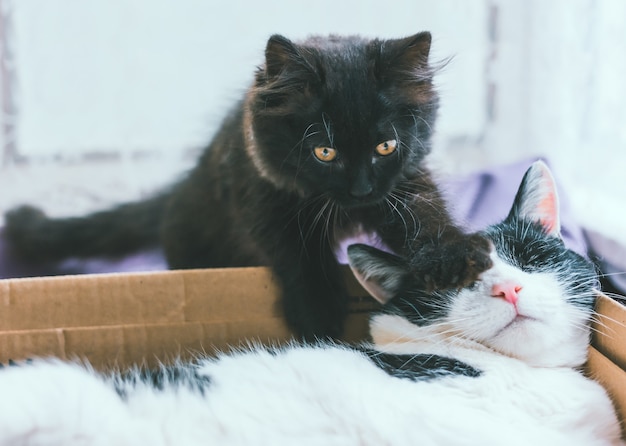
361 190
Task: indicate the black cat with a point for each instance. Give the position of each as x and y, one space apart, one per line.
327 143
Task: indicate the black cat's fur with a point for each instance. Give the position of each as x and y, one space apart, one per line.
260 196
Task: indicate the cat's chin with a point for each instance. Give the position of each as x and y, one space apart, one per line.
350 204
517 323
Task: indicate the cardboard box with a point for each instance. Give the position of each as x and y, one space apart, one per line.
125 319
148 318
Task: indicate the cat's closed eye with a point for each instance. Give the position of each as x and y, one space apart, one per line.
472 286
529 256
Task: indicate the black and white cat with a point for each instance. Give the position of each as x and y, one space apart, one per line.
491 364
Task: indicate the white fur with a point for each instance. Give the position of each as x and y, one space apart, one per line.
316 396
552 336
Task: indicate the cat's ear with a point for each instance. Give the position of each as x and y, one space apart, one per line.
537 199
281 54
407 57
380 273
401 68
413 51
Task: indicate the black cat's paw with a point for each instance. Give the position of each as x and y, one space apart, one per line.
455 264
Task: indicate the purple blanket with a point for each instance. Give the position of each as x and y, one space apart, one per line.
476 201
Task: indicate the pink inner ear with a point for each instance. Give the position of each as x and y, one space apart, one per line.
549 214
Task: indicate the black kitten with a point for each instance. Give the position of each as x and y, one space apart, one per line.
328 142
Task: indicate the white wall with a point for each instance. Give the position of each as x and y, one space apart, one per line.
134 75
559 69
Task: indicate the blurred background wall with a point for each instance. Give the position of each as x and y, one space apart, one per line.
106 100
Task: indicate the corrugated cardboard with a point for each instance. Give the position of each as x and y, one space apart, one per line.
147 318
124 319
607 354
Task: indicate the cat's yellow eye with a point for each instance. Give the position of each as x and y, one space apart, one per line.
387 147
325 154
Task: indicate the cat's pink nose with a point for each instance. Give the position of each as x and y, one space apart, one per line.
507 291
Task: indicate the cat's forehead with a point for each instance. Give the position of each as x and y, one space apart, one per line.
337 53
352 117
350 93
514 236
349 87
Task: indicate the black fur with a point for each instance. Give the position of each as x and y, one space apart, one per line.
181 375
421 367
38 238
259 196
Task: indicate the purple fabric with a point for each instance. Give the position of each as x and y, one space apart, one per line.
476 200
12 267
484 198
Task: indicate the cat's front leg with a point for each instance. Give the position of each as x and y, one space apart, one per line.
422 230
314 299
